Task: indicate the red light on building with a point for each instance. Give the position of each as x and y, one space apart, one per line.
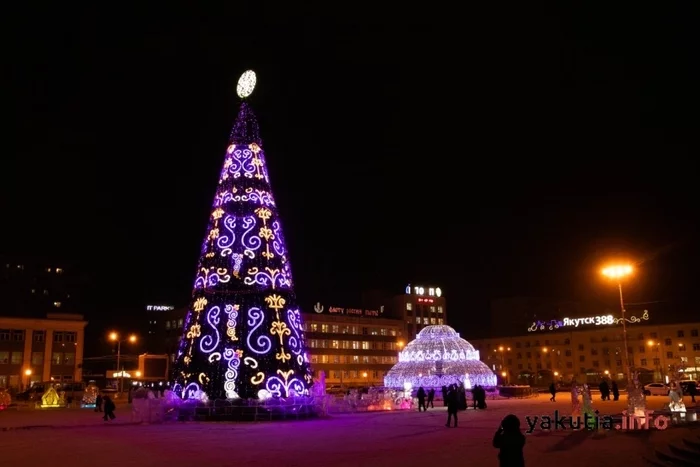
425 300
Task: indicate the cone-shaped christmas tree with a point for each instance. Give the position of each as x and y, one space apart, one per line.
243 332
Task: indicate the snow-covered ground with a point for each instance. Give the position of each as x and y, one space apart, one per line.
387 439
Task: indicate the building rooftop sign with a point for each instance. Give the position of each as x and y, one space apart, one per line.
420 290
159 307
601 320
359 312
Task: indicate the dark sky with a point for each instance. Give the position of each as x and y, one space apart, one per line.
509 153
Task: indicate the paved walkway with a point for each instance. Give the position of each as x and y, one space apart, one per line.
401 439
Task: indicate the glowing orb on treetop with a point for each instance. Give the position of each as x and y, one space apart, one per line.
246 84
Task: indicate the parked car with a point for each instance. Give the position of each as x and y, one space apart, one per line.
656 389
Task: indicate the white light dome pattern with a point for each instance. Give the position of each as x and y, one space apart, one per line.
439 357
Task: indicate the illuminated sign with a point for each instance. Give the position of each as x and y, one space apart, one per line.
334 310
159 307
602 320
118 374
419 290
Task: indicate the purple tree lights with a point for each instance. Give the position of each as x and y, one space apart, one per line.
243 333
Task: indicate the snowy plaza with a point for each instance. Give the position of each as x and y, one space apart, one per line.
382 439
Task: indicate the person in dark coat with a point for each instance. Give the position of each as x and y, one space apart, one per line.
421 399
692 391
444 395
604 391
615 391
510 441
553 392
475 396
109 409
481 399
431 398
461 398
98 403
452 406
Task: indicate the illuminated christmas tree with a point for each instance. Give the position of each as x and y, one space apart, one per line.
243 334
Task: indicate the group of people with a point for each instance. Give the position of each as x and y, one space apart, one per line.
421 395
605 390
454 398
107 403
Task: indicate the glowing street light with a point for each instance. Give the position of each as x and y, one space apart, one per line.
28 372
618 272
113 336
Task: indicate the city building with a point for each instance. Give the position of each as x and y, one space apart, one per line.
30 289
41 349
164 329
589 348
354 347
418 307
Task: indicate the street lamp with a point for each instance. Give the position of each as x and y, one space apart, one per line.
618 273
114 337
28 372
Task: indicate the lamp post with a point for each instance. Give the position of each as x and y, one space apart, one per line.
28 373
618 273
114 337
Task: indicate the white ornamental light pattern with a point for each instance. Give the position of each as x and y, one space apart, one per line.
246 84
439 357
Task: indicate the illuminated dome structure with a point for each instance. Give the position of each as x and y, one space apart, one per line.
439 357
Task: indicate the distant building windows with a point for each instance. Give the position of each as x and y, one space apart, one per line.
57 304
409 306
37 358
16 358
39 336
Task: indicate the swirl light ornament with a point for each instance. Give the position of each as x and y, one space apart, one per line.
243 331
438 357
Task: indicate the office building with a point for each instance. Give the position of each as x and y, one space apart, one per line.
31 289
164 329
354 347
41 349
592 347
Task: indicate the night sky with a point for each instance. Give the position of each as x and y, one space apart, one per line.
509 154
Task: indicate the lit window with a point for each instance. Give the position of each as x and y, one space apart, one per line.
57 304
59 271
409 306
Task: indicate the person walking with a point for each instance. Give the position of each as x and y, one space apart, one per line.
452 406
431 398
553 392
109 409
615 391
421 399
692 391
